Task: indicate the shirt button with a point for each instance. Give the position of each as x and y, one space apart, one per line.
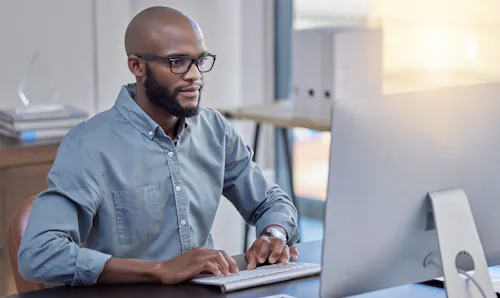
150 133
170 154
178 188
183 222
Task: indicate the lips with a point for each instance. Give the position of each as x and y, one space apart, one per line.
190 91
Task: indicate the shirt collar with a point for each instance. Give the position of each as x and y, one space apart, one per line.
136 116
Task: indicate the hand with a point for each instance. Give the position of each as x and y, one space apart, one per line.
272 249
194 262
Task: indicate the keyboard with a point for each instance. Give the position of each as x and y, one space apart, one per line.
262 275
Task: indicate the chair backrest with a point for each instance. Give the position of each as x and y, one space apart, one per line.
17 227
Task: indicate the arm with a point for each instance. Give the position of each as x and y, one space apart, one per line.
176 270
60 220
261 203
117 271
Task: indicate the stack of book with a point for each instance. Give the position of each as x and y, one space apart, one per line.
39 123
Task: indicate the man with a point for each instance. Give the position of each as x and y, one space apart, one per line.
140 183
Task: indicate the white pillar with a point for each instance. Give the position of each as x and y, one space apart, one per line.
111 71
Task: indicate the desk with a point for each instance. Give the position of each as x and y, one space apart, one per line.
23 173
280 115
306 287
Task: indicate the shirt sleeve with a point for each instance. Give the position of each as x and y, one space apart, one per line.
61 219
260 202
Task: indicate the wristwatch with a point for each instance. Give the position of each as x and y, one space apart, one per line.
274 232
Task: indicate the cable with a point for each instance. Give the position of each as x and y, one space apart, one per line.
430 260
474 281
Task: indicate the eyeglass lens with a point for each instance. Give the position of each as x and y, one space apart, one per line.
181 64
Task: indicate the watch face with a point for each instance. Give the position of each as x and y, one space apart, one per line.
277 233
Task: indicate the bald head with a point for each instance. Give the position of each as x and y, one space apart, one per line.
157 29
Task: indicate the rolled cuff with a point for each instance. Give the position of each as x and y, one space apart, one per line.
89 265
277 218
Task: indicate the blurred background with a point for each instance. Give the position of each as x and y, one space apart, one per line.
71 52
426 44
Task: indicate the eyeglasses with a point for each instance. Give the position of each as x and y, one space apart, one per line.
180 64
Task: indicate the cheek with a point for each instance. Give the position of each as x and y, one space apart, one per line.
167 79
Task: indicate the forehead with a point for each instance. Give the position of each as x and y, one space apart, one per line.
183 39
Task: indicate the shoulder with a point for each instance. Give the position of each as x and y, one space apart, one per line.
213 116
81 143
215 125
211 119
94 125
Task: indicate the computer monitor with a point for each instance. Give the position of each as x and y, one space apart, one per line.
387 155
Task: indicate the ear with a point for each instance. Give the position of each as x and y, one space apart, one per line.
136 66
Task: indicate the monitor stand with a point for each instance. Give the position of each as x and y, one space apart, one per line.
457 235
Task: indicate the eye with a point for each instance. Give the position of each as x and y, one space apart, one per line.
179 61
202 60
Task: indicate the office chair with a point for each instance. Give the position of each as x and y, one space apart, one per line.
15 233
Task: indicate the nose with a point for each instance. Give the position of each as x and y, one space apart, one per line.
193 73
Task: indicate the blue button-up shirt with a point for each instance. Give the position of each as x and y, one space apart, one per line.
120 185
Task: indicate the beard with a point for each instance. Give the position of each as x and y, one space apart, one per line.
163 98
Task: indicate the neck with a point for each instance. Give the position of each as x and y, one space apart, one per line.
167 122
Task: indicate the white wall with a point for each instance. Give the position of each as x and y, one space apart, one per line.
83 46
111 71
62 32
258 70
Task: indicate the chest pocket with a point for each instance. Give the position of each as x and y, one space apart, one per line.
138 213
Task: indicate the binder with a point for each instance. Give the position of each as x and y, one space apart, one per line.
327 73
359 62
299 57
338 63
306 71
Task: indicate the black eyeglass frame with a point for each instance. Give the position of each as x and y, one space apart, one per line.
169 59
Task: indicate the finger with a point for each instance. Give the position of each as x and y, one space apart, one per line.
213 268
233 267
221 260
251 258
211 255
207 272
265 249
294 253
285 255
277 250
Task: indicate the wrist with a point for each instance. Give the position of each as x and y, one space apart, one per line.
156 271
275 231
121 271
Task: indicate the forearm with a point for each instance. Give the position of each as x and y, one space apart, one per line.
280 214
259 202
127 271
50 249
58 261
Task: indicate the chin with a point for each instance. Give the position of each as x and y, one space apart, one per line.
188 102
190 106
